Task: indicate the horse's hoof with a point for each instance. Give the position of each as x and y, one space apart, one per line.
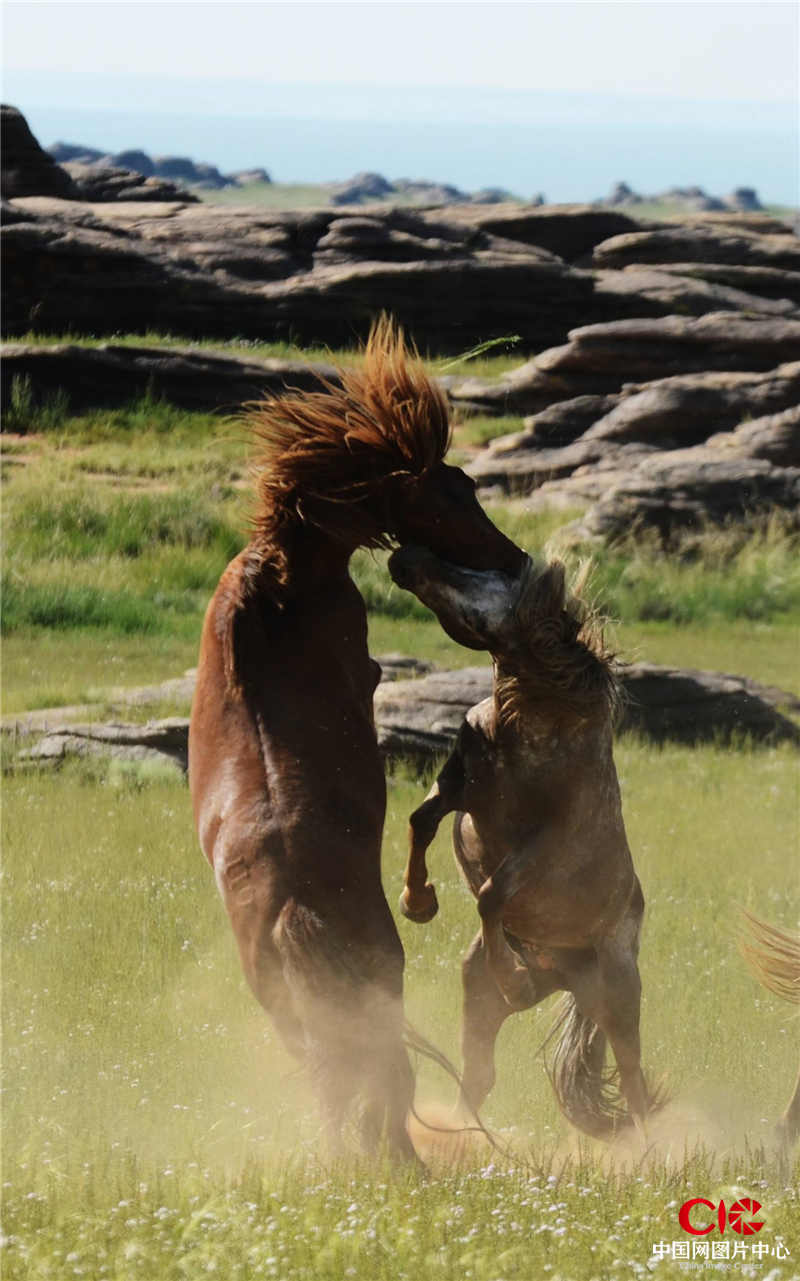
420 906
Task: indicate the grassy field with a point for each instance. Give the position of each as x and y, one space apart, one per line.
152 1126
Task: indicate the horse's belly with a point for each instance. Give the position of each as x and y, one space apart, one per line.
573 894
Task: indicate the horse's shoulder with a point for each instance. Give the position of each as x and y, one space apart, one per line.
238 614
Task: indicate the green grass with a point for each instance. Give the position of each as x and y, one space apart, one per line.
503 354
121 523
153 1126
272 195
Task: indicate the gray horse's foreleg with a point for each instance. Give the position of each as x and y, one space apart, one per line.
418 900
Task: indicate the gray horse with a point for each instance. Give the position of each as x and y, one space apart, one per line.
538 835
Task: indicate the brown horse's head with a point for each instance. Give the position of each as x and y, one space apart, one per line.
363 464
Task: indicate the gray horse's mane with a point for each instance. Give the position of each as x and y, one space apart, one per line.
560 663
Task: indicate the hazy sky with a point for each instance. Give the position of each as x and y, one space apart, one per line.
706 51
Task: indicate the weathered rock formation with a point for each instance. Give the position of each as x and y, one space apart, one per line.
98 183
206 271
111 375
743 199
672 454
599 360
421 718
27 170
122 257
677 490
418 719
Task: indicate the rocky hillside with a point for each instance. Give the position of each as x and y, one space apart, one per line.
663 379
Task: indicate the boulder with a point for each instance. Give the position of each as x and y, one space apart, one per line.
139 161
362 187
687 408
690 706
96 183
571 231
684 489
599 360
421 718
110 375
775 437
247 177
693 243
164 742
27 170
64 151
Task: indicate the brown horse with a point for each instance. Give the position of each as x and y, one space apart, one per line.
538 834
286 778
774 957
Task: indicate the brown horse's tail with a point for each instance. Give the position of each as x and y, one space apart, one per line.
586 1089
774 957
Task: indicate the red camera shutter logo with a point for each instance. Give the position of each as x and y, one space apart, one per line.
735 1217
745 1227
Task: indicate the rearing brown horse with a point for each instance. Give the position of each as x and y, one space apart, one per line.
286 778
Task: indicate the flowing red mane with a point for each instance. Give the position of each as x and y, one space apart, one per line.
324 457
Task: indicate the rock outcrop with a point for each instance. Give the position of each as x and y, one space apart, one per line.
421 718
673 454
315 277
99 183
129 251
111 375
418 719
27 170
599 360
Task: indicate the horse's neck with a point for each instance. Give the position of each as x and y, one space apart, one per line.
309 563
517 711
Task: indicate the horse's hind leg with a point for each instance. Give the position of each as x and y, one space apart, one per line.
512 976
609 993
485 1010
254 905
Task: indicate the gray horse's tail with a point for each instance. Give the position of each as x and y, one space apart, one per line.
586 1089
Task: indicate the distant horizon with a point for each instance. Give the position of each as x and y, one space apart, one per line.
557 145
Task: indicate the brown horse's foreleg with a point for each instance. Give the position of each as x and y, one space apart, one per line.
418 899
511 975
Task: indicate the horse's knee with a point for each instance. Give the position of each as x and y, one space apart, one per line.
490 901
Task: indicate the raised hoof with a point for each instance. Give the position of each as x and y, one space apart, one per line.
421 906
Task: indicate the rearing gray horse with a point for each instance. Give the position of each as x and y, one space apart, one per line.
538 834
